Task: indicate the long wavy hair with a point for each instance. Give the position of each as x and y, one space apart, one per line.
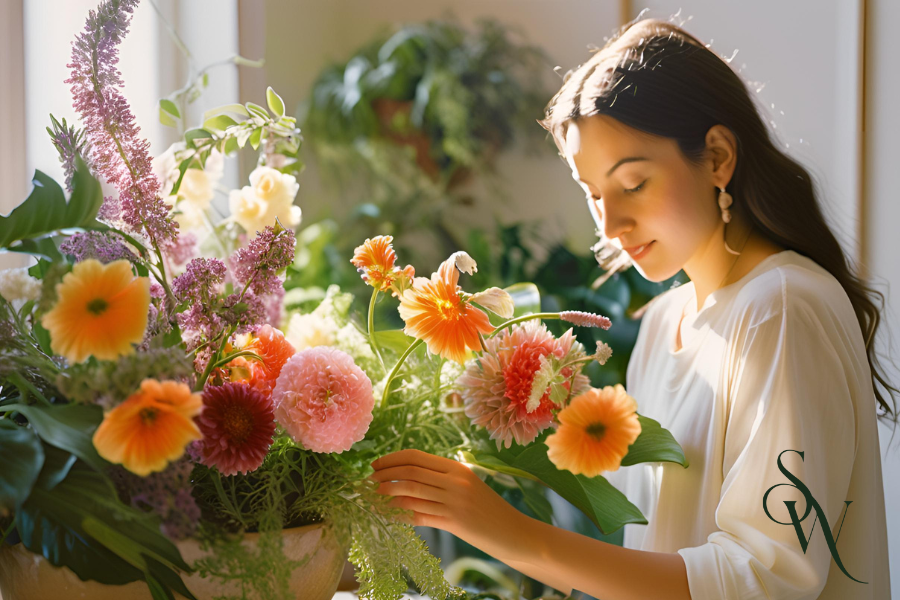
655 77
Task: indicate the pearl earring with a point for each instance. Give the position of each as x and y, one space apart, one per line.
725 201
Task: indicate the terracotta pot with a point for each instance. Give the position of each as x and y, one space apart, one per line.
28 576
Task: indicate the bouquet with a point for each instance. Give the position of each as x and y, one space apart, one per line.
155 388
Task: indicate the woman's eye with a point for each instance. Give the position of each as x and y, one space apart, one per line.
636 189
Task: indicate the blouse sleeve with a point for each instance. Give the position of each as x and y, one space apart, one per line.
789 390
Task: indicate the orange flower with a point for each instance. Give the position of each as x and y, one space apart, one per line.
375 260
274 350
151 428
595 431
435 311
101 311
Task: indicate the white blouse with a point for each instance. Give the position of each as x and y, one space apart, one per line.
775 361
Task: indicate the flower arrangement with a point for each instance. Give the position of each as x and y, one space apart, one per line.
150 394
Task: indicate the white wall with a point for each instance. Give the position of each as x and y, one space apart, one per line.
883 127
150 64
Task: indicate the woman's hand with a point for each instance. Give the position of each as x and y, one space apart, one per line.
445 494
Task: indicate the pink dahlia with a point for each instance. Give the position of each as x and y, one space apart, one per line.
497 385
238 424
323 399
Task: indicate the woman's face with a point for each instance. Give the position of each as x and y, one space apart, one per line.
659 198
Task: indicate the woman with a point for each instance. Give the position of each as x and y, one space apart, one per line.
762 365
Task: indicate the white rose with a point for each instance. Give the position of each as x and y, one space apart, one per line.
270 195
311 330
17 285
166 169
197 187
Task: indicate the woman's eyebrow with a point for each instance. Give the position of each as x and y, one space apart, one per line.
621 162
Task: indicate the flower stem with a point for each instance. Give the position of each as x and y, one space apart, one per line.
511 322
371 325
395 370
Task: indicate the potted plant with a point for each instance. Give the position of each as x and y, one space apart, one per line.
412 116
168 438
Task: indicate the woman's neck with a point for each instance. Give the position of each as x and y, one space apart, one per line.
709 266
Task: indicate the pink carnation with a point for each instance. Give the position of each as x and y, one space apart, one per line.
496 386
323 400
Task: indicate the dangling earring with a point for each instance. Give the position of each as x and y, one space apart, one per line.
725 201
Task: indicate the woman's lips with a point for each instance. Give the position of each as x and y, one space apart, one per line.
639 251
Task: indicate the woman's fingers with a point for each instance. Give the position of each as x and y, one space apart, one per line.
414 458
412 489
417 505
409 473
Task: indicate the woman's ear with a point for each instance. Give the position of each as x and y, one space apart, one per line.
721 147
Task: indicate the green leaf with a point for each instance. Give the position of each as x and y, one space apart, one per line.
57 464
536 500
166 119
182 169
255 138
235 111
169 107
218 123
276 104
394 339
43 247
197 133
654 444
46 210
257 110
67 426
82 525
24 459
602 503
527 298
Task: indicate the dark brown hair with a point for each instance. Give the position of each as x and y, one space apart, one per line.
656 78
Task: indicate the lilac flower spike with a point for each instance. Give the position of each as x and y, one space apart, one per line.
585 319
117 152
103 246
258 265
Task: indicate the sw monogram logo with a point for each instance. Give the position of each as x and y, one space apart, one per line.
810 503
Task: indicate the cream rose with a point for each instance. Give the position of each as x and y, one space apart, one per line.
270 195
197 187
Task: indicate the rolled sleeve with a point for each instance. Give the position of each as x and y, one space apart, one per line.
788 390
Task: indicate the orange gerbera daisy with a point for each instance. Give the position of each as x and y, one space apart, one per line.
595 431
151 428
101 310
375 259
274 350
436 312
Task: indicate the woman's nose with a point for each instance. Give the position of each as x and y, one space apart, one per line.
615 221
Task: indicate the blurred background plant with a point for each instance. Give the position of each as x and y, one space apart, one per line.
411 118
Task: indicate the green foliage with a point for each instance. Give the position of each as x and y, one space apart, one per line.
18 476
231 127
606 506
66 426
260 571
45 212
81 524
387 552
411 115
